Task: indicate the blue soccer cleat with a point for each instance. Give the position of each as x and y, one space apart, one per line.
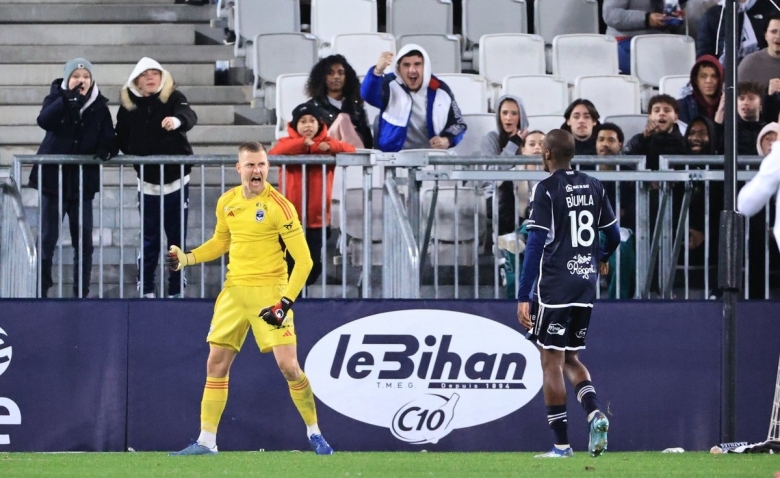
557 453
194 449
599 426
319 445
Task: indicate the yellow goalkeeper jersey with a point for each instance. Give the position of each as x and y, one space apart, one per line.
256 232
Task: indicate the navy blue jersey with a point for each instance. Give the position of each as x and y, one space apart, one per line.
571 206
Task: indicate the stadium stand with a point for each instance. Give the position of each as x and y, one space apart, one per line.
255 18
558 17
362 49
576 55
630 124
673 84
416 17
279 53
443 50
503 16
478 126
336 17
541 94
471 91
544 122
612 95
290 92
502 55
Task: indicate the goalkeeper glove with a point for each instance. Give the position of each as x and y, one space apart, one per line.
277 314
176 259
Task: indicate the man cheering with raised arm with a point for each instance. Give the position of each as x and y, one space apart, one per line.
251 220
568 209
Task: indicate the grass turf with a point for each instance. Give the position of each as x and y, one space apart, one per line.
449 465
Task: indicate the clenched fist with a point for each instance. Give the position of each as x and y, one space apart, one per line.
385 59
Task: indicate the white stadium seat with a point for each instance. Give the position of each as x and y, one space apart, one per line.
559 17
544 123
656 56
408 17
478 126
630 124
584 55
278 54
290 92
362 49
673 84
541 94
471 92
254 18
612 95
337 17
443 50
502 16
502 55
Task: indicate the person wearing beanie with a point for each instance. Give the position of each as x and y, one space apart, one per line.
77 122
153 120
308 134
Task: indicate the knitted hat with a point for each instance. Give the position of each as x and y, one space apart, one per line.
306 109
74 65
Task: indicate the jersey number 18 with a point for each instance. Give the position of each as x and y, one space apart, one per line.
582 233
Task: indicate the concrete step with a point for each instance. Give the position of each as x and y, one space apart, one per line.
204 135
165 54
110 74
28 114
196 94
80 13
86 34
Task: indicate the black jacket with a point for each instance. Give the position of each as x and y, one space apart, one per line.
708 28
656 145
356 112
140 132
68 132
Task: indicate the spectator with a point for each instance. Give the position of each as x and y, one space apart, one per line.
763 65
417 110
506 140
766 137
702 95
581 118
751 21
308 134
661 135
334 88
609 142
76 119
628 18
153 119
749 122
701 137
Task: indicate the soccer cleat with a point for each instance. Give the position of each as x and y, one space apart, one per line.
599 426
319 445
557 453
194 449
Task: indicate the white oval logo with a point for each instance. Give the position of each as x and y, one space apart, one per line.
5 353
423 373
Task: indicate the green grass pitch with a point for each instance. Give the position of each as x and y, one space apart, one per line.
373 464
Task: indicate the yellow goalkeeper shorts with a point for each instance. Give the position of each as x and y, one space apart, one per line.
237 308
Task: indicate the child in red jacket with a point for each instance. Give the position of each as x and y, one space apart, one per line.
309 135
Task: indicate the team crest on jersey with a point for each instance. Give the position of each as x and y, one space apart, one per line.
259 215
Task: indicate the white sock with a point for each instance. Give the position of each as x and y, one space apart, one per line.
591 415
562 447
312 430
208 439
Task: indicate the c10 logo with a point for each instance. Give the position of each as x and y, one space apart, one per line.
13 415
426 419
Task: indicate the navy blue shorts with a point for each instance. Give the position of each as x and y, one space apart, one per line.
560 328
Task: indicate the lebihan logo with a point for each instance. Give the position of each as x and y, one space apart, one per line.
9 411
424 373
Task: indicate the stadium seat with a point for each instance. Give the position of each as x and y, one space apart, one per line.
443 50
541 94
478 126
502 55
408 17
673 84
354 226
544 122
337 17
254 18
656 56
290 92
584 55
452 202
630 124
278 54
471 92
503 16
560 17
362 49
612 95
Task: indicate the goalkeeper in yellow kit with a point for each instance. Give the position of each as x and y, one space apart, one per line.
251 219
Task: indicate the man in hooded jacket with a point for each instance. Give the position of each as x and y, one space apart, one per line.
153 119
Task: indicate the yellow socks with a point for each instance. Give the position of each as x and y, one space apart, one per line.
303 398
215 396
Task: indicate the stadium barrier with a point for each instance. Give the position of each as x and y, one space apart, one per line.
442 207
106 375
18 255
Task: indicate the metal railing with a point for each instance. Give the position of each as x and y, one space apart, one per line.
18 256
401 271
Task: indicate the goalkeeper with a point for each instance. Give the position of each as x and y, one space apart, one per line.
255 224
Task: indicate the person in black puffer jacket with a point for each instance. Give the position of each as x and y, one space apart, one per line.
77 121
153 119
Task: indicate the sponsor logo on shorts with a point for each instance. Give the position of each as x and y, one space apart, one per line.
556 329
582 333
423 374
